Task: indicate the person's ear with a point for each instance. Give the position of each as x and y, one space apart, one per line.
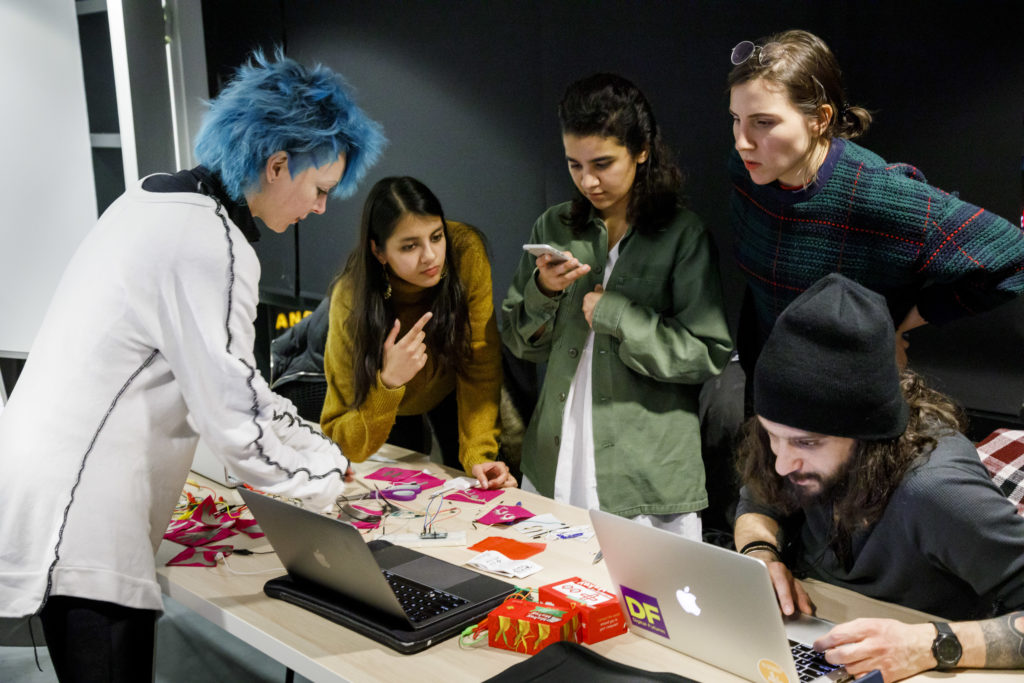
276 166
377 253
642 156
825 116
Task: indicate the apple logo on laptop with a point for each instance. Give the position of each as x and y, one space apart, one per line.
321 558
688 601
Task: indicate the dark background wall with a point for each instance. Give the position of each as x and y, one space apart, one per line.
467 94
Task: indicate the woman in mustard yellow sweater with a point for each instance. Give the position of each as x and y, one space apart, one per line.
412 327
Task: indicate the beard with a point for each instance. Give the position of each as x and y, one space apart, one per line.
804 490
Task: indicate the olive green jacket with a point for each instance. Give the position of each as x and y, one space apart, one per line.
660 332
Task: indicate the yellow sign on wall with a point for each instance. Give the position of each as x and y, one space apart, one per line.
286 319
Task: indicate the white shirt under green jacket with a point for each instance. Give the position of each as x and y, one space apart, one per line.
660 332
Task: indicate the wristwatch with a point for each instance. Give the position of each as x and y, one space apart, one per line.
946 647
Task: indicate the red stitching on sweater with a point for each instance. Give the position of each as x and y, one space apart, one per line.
914 170
948 238
962 304
778 248
849 210
821 222
768 281
927 218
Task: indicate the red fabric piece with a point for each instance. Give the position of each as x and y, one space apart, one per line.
509 547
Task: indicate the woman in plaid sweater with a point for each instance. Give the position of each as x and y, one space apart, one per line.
807 201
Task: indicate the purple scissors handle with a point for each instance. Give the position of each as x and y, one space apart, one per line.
403 492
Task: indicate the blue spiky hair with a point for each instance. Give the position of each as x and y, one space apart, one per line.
270 106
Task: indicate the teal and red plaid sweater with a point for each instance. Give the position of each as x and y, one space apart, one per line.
880 224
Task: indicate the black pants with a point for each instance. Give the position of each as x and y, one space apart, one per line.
722 413
412 432
91 641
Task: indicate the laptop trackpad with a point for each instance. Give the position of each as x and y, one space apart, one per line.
436 574
806 629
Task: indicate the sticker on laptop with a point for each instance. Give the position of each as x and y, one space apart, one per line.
771 672
644 611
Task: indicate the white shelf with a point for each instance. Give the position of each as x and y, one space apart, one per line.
106 140
90 6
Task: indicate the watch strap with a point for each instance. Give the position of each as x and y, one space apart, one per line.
945 639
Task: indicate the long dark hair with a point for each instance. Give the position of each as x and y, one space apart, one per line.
876 469
371 318
608 105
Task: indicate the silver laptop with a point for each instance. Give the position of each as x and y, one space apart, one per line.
709 603
397 595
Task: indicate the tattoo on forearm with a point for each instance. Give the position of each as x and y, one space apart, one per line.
1004 641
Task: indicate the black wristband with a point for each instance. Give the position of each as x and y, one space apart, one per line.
761 545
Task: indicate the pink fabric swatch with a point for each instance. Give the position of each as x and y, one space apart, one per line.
505 514
198 557
404 476
478 496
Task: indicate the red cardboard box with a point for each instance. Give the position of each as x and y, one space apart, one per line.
600 615
529 627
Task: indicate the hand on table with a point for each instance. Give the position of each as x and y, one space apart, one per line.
493 475
896 649
405 357
791 595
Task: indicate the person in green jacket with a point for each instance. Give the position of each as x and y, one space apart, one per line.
630 323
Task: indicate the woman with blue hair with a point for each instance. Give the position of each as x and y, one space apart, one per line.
93 470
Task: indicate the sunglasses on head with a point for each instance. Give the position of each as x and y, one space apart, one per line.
746 49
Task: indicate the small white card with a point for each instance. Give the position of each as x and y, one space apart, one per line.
539 524
456 484
496 563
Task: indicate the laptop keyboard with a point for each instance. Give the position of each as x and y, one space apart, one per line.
419 601
810 663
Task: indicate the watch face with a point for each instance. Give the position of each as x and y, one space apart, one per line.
947 650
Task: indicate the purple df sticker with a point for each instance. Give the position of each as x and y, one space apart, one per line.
644 611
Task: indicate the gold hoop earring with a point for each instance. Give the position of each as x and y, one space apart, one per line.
387 283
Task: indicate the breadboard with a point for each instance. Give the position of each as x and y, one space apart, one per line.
454 538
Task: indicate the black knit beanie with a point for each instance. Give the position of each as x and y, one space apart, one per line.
829 365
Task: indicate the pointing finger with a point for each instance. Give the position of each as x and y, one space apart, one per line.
393 334
421 323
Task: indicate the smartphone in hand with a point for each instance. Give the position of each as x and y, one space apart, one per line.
540 249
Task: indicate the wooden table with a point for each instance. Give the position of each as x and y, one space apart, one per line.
323 651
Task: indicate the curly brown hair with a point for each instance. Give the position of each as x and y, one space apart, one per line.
875 471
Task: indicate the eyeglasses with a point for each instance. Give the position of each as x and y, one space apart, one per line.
746 49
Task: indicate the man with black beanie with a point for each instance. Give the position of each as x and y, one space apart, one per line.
858 475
